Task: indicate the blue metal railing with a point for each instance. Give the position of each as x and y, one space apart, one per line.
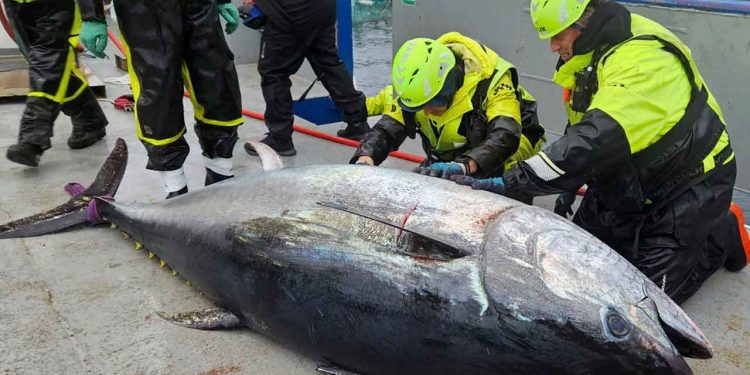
721 6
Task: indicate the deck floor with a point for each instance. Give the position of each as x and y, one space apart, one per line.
83 301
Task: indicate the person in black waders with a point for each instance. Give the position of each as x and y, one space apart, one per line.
295 30
173 45
647 137
47 33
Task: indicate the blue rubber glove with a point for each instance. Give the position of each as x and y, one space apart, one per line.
495 184
93 36
442 170
230 14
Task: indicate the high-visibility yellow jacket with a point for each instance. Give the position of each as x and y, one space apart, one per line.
490 102
648 129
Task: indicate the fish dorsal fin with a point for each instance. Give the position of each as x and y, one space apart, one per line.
268 156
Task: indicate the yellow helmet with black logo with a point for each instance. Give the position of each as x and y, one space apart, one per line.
550 17
420 70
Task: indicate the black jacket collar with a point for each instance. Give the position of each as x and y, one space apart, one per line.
608 26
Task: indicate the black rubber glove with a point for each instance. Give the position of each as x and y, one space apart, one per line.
564 203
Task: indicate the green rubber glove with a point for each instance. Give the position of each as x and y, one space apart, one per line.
230 14
93 35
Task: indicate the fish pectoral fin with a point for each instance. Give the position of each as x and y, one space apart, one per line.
209 319
268 156
431 246
333 370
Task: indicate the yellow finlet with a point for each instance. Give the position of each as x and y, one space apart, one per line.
125 236
138 245
174 273
162 263
113 226
151 255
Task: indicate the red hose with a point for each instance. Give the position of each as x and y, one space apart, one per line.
116 41
314 133
332 138
6 24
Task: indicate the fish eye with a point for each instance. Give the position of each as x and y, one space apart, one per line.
617 325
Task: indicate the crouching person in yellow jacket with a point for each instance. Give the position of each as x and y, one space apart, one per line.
465 103
647 137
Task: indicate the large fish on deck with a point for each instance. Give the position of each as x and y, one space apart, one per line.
379 271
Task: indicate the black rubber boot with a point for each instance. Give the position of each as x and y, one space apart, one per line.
81 139
88 120
283 149
213 177
177 193
25 153
355 131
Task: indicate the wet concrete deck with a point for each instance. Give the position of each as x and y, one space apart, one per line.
83 301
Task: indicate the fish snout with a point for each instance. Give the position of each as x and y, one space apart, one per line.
645 339
682 332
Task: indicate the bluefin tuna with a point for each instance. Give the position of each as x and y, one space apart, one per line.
380 271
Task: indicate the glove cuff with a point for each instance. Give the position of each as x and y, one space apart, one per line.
464 167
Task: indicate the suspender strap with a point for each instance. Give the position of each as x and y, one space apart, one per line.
410 122
481 92
683 127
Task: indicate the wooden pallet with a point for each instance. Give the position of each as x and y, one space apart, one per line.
14 75
96 84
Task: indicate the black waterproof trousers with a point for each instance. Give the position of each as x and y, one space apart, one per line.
679 245
173 45
281 55
46 32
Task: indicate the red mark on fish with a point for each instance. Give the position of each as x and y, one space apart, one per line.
404 220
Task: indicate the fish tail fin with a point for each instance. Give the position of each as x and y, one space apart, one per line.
74 211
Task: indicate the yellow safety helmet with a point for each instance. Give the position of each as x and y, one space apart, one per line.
420 70
550 17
